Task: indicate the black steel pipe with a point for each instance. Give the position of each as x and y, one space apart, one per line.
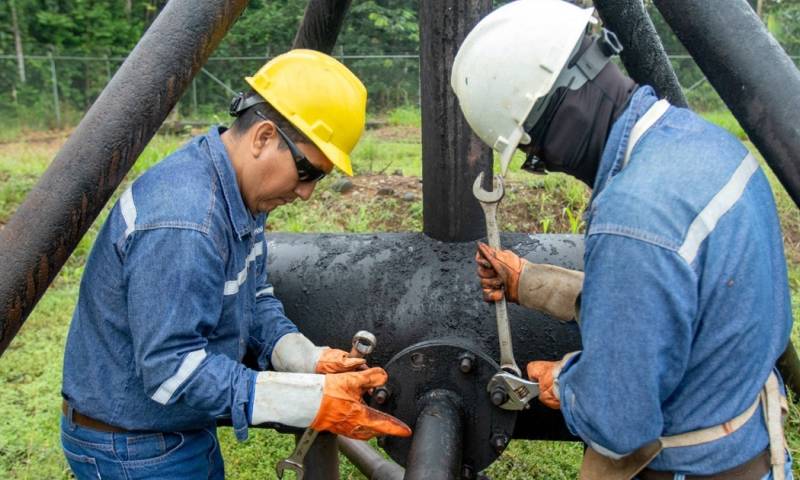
48 225
452 156
643 54
436 446
753 75
758 82
321 25
368 461
408 288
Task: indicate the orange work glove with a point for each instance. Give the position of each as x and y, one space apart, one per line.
343 411
333 360
499 270
543 372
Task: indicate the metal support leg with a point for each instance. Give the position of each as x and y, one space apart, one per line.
644 56
321 25
368 461
322 461
45 229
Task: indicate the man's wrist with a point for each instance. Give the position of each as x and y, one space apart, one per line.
291 399
294 352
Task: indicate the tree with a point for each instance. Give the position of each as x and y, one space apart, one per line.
17 41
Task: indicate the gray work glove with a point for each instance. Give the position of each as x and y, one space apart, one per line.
547 288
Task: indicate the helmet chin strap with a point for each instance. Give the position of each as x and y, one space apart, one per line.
242 101
572 121
588 59
587 62
572 133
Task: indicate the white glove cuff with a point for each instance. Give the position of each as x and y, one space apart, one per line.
295 353
291 399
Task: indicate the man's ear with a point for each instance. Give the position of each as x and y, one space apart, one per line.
260 136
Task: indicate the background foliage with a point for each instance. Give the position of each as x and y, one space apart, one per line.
90 38
106 30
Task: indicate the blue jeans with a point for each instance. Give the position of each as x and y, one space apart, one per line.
141 455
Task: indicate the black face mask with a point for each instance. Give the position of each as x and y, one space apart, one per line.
572 132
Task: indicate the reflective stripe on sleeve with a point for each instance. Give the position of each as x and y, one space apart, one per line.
704 223
269 291
128 209
650 117
190 363
232 286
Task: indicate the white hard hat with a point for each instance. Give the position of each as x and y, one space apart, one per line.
511 62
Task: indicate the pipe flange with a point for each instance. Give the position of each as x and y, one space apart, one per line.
440 364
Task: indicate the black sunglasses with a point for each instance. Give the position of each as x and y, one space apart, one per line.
306 171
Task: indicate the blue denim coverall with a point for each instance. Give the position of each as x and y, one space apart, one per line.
174 293
685 305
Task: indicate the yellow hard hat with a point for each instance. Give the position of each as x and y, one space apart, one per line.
321 97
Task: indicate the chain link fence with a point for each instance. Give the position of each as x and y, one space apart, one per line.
58 88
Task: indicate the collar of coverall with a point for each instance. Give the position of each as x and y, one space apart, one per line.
572 132
241 219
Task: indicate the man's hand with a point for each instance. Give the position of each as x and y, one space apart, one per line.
499 270
333 360
343 411
543 372
295 353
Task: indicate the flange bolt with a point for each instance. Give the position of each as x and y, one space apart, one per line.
381 395
499 396
467 362
499 442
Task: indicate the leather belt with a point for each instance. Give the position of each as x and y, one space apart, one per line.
84 421
753 469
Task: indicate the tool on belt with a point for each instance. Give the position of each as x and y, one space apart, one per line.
363 344
507 388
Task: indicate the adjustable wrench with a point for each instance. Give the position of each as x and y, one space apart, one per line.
362 345
298 456
489 202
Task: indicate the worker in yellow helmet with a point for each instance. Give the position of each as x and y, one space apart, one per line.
175 293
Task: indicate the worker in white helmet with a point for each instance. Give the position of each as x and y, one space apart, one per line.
684 306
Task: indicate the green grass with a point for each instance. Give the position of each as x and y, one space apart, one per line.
726 120
405 116
30 370
374 154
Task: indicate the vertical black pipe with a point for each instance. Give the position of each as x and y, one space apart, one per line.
753 75
758 82
321 25
436 447
368 461
643 54
45 229
452 156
